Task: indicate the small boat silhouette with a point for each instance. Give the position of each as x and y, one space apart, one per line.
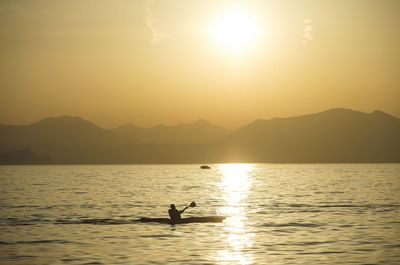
205 167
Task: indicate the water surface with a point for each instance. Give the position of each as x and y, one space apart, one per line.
276 214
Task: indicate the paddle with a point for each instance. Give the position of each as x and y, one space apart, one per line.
192 204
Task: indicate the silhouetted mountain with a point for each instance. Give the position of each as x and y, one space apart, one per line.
24 156
336 135
333 136
60 131
200 131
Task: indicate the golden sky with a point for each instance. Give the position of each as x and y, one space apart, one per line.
171 61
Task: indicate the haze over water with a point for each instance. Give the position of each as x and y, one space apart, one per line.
276 214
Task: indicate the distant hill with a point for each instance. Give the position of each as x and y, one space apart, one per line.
24 156
332 136
200 131
59 131
336 135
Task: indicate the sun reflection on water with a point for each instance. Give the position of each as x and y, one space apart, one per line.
235 185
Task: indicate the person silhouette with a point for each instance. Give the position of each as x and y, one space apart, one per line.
175 214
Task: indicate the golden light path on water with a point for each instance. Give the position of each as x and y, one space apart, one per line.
235 185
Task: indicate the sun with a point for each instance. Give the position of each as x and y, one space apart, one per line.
235 30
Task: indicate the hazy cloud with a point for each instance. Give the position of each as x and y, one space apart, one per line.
307 31
151 22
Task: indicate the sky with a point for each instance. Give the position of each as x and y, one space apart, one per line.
152 62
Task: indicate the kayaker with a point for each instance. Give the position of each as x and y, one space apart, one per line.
175 214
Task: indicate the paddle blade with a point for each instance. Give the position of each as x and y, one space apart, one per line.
192 204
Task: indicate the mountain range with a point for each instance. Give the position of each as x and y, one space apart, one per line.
60 131
200 131
336 135
332 136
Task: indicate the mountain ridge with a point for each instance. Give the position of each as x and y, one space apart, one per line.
199 131
63 130
329 111
332 136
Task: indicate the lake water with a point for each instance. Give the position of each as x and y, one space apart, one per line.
276 214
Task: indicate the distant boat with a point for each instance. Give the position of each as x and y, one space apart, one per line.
205 167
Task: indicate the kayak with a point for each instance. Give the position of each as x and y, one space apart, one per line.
206 219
